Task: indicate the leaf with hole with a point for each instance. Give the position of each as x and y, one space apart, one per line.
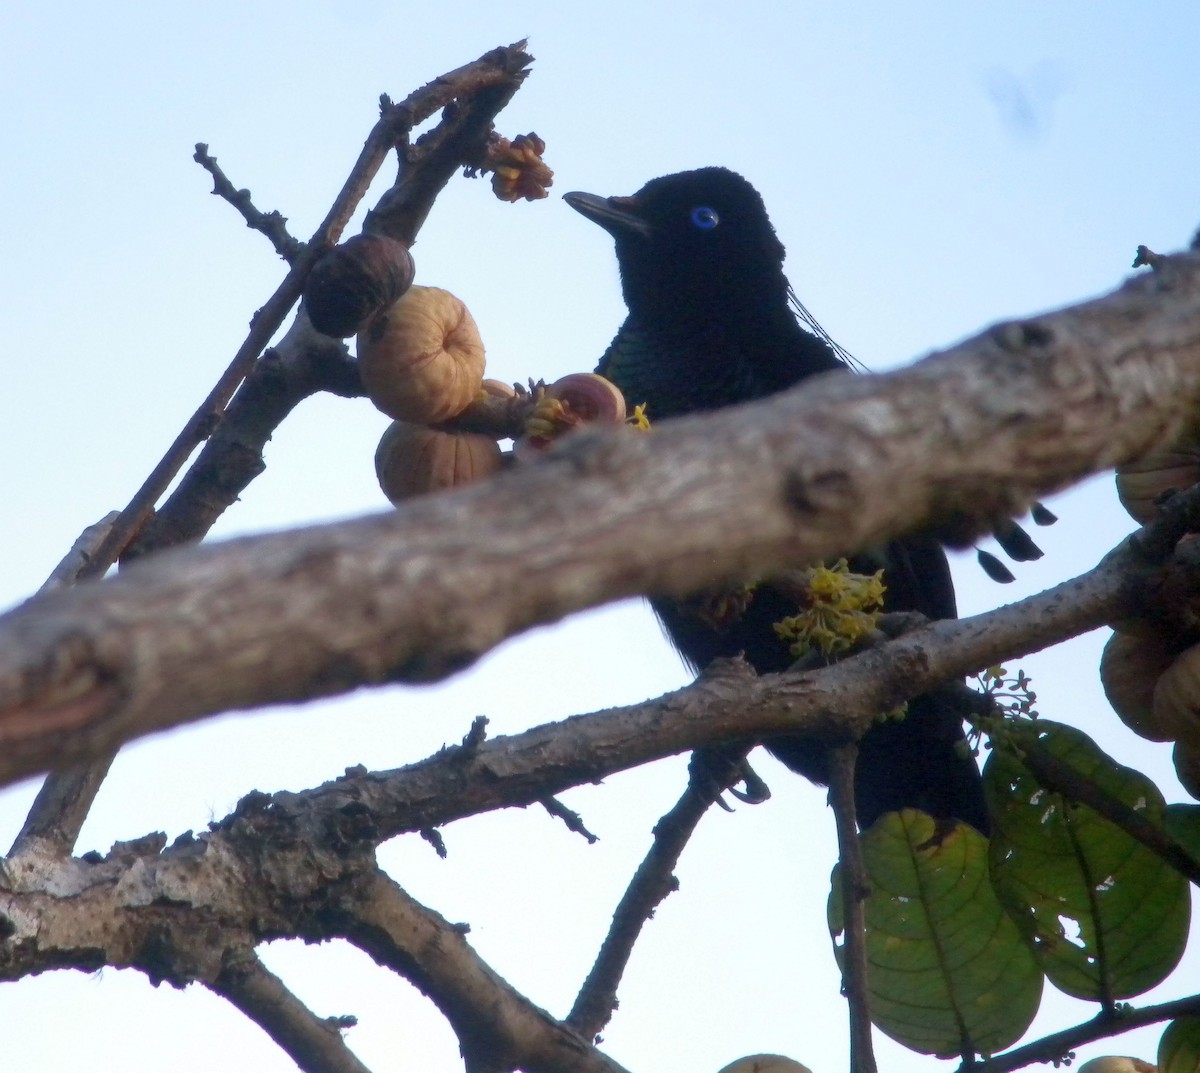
1106 916
947 970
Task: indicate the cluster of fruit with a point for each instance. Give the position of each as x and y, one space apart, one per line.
1151 668
421 360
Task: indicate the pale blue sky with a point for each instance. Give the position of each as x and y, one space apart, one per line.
931 168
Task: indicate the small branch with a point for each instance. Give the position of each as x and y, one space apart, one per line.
651 883
1058 1045
233 457
571 818
312 1042
306 362
81 555
500 67
272 224
61 807
303 363
1147 257
498 1029
62 804
434 837
855 890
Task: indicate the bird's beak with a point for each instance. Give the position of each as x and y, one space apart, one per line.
617 215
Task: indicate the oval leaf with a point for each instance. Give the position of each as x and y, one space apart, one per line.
1179 1048
947 970
1106 916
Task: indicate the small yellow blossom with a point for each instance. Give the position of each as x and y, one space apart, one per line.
547 417
638 418
841 609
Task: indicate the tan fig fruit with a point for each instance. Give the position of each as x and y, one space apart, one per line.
1130 668
1142 482
1186 757
413 460
1177 698
498 389
764 1063
422 359
354 281
1117 1063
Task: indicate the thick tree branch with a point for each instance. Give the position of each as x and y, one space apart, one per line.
418 593
194 911
303 864
355 813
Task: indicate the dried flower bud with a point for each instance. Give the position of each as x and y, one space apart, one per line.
422 360
353 281
519 171
413 460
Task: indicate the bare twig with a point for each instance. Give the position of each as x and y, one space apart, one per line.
231 460
568 816
62 804
81 555
57 814
651 883
272 224
855 890
498 1029
305 362
1056 1046
312 1042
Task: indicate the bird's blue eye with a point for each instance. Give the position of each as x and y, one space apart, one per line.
705 218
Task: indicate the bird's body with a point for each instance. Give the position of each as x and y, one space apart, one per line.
710 325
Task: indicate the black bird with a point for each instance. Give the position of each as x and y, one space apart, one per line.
710 325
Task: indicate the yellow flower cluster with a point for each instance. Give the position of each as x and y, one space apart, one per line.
842 608
638 418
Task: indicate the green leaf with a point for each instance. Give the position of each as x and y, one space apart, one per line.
1107 917
1179 1048
1183 824
947 970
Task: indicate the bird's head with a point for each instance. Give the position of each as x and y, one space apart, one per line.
689 239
